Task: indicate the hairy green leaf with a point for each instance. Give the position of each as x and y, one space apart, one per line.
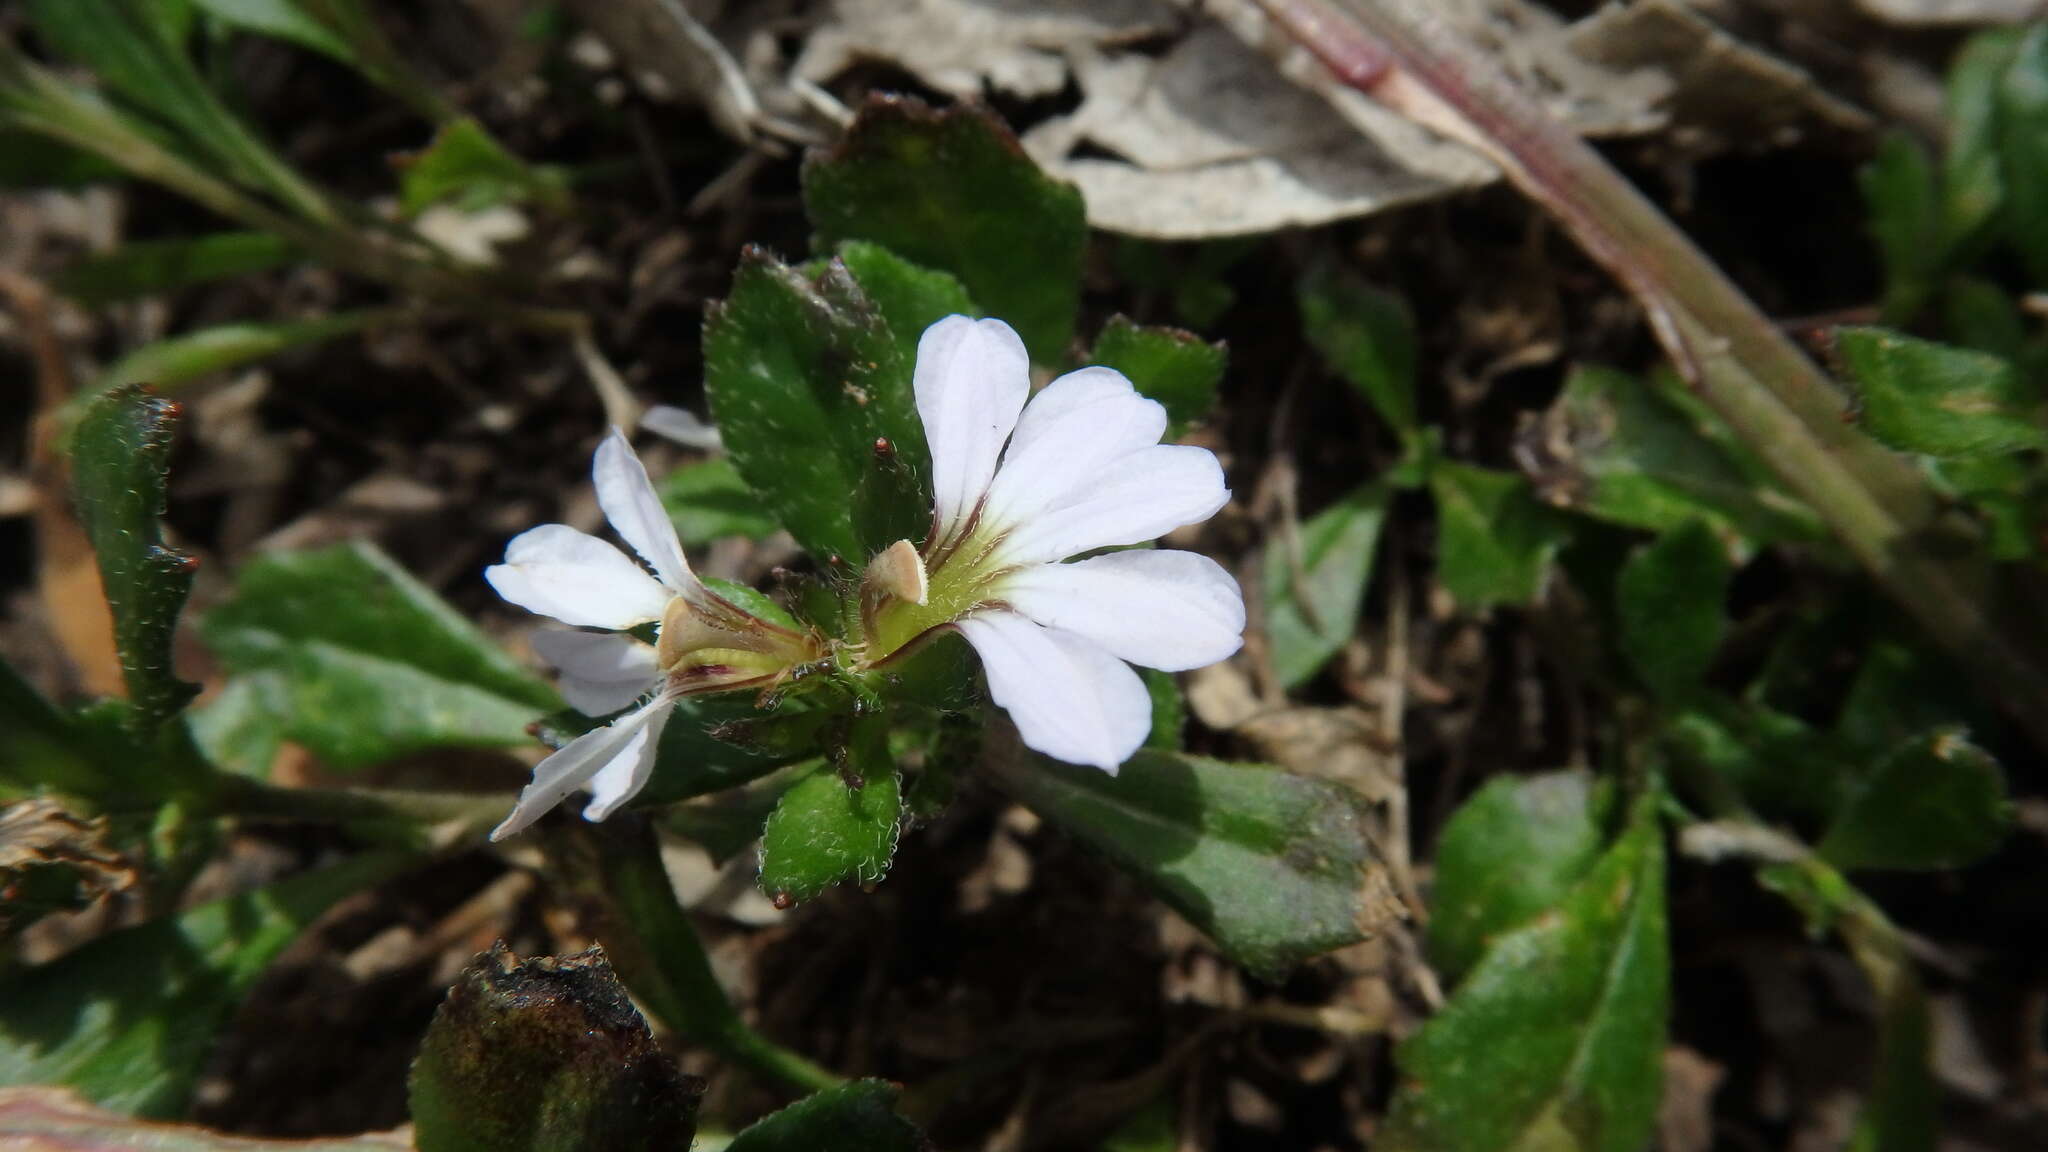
859 1116
1507 854
1938 801
129 1019
1919 396
953 190
1367 336
910 298
838 823
805 377
120 454
1555 1039
1312 605
1179 369
360 662
1274 867
1669 600
1494 540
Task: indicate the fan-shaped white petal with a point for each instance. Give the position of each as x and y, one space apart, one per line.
1141 496
1070 432
630 503
572 766
1162 609
576 578
1069 698
972 377
602 672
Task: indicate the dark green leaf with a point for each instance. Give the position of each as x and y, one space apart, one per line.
953 190
2022 119
1274 867
1973 181
361 663
153 266
1556 1038
1938 801
120 453
1905 219
1179 369
1900 692
1775 763
911 299
175 360
31 161
804 377
1979 314
855 1117
1919 396
467 167
708 501
236 730
1507 854
1494 540
546 1055
1312 606
838 823
282 19
1670 601
1366 335
728 823
1642 453
38 748
129 1019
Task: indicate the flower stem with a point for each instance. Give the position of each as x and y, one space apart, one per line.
1789 412
649 939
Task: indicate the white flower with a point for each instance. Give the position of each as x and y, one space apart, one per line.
704 642
1083 470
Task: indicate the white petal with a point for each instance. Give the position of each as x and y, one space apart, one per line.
629 502
575 763
1162 609
682 426
622 779
1070 699
1077 426
576 578
602 672
1142 496
971 379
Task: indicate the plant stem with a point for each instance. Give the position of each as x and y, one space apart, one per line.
1789 412
650 941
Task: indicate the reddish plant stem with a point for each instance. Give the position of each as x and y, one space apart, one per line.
1783 406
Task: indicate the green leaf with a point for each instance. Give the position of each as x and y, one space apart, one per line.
2022 121
1309 617
1512 851
28 160
838 823
546 1055
282 20
1938 801
1670 601
53 1120
1274 867
176 360
38 746
1973 181
859 1116
120 453
1367 336
467 167
1644 454
360 662
1555 1039
1774 763
129 1019
1179 369
910 298
1919 396
1494 540
954 190
236 730
1904 203
708 501
804 377
152 266
1169 711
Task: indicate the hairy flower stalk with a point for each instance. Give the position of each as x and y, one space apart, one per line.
1018 491
703 641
